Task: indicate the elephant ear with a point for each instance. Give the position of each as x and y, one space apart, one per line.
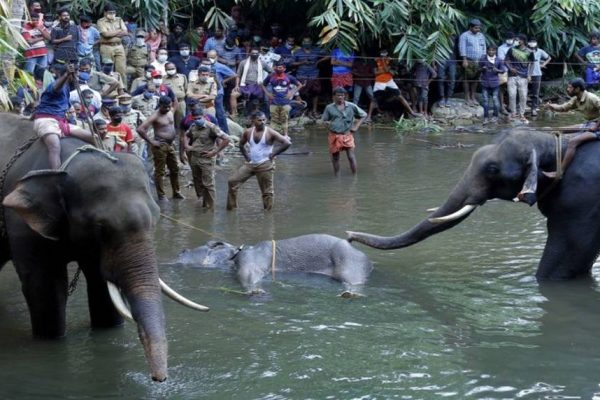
38 200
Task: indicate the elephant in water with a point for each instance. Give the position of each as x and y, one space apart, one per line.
511 169
314 254
96 210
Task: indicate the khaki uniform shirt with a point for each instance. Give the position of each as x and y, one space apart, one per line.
137 56
198 88
134 119
146 107
106 26
589 105
117 77
204 139
137 82
178 83
99 80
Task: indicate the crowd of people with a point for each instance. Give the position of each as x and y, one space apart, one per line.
171 96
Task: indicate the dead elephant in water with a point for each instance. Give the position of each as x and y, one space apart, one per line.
313 254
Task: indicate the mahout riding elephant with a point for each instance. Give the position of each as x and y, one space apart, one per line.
98 211
511 169
314 254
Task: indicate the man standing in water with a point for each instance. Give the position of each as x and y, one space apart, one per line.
260 162
163 150
343 119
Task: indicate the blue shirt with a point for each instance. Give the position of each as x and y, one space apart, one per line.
86 47
213 43
280 86
339 55
310 70
54 103
184 66
489 77
471 45
286 55
221 72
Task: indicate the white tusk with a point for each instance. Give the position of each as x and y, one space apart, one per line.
115 296
455 215
179 298
434 209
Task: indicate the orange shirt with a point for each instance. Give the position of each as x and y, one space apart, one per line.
386 76
123 132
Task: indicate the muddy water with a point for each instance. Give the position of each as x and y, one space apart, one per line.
457 316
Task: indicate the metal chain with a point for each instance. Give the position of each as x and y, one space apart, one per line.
73 284
18 153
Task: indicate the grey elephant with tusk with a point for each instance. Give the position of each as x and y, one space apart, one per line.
314 254
512 169
96 210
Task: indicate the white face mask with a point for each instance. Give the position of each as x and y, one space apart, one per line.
510 42
184 53
171 72
533 45
148 75
140 42
212 60
162 58
157 82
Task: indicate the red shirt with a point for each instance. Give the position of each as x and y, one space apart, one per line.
37 49
123 132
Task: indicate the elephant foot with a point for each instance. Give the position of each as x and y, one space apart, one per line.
350 295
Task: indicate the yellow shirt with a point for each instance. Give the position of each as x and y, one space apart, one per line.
589 105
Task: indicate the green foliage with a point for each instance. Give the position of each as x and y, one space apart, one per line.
405 126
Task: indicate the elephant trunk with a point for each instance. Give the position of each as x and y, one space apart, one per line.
135 272
457 208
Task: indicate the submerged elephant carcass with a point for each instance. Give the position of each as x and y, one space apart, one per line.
96 210
315 254
511 169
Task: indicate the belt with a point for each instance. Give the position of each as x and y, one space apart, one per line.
208 105
111 44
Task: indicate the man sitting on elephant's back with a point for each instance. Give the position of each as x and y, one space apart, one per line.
49 118
589 105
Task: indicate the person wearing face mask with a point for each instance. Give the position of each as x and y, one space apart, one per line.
112 31
509 42
64 38
162 56
89 37
518 59
204 90
161 89
184 61
216 42
132 118
144 79
99 81
540 60
178 83
225 78
280 88
231 55
104 112
286 51
138 56
122 131
307 60
146 102
35 36
83 78
108 70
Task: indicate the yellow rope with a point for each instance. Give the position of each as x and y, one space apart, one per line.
273 260
559 171
192 227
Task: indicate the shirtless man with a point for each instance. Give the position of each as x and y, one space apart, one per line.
260 161
163 150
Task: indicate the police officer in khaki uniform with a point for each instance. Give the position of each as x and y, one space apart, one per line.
147 102
177 83
133 118
204 90
99 81
142 81
138 56
112 29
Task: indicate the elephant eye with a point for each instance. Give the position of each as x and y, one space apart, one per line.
492 169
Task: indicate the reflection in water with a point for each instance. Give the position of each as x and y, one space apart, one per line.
459 315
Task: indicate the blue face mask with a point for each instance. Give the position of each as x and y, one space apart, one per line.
148 95
200 122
